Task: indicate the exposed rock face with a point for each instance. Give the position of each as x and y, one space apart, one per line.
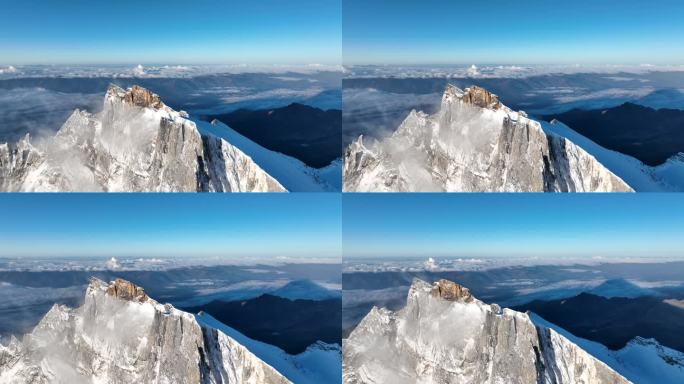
476 96
136 143
120 335
473 144
444 335
138 96
450 291
125 290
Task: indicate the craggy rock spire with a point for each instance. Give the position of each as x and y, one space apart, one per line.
137 96
450 291
126 290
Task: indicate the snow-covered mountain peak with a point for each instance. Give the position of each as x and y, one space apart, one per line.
135 144
120 335
445 335
473 143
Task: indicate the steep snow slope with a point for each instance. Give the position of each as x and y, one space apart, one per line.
473 143
290 172
320 363
445 335
120 335
668 177
643 361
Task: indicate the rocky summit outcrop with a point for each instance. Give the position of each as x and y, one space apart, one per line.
473 143
137 96
135 144
474 95
125 290
445 335
119 335
450 291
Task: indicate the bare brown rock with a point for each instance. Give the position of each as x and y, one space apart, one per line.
480 97
126 290
142 97
450 291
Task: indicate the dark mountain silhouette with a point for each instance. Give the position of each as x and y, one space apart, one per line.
614 322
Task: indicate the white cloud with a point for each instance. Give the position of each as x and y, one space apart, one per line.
157 71
613 93
566 284
278 93
113 264
496 71
8 69
431 264
473 71
14 296
353 297
675 303
656 284
139 70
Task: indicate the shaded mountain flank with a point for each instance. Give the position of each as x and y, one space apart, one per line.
615 321
292 325
650 135
309 134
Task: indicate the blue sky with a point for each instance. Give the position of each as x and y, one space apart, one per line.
170 32
513 32
174 225
515 225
